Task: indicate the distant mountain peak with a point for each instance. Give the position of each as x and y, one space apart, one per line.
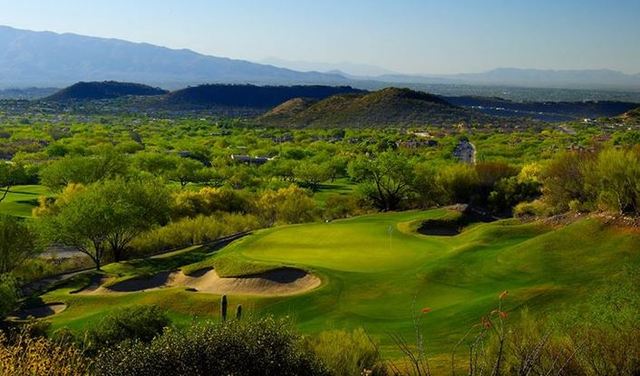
30 58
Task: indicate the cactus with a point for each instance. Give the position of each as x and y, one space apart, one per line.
223 308
239 312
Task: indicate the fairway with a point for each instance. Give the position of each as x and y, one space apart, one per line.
378 273
21 199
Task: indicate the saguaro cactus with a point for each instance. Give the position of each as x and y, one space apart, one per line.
223 307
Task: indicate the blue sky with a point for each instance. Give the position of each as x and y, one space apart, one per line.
408 36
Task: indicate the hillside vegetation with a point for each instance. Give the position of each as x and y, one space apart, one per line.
250 95
384 107
82 91
632 117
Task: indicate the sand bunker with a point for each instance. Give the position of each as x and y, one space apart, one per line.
38 312
278 282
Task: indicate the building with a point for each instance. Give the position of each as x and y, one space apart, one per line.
247 159
465 152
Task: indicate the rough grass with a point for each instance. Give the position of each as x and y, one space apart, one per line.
378 273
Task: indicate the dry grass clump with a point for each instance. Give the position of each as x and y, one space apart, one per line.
22 354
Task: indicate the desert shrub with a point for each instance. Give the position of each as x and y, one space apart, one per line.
533 346
347 353
37 268
609 350
426 187
613 180
9 294
286 205
263 347
459 182
537 208
190 231
606 327
135 323
23 354
564 179
508 192
209 200
341 206
18 242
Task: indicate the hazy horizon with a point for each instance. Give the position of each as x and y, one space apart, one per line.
408 37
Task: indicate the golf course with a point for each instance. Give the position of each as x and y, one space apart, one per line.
377 272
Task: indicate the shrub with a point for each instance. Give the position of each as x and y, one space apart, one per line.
190 231
564 179
286 205
614 181
341 206
208 200
9 294
347 353
535 208
18 242
263 347
135 323
460 182
27 355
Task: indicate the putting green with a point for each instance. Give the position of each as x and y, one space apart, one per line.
378 273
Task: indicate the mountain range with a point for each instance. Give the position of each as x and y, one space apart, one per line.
30 58
47 59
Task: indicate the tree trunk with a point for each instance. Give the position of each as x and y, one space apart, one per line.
6 192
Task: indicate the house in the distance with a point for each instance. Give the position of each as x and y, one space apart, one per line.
465 151
415 144
247 159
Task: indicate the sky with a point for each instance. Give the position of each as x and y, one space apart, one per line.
405 36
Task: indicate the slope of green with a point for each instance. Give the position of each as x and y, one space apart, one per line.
378 273
22 199
631 117
378 108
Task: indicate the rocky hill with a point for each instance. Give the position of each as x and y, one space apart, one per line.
390 106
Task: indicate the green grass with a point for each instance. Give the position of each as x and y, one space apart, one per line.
340 186
378 273
22 199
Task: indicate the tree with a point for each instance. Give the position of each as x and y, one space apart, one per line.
385 180
10 175
188 171
18 242
286 205
614 181
107 216
564 179
159 164
310 175
9 294
426 186
84 170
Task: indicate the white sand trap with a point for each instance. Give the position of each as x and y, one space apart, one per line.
46 310
278 282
